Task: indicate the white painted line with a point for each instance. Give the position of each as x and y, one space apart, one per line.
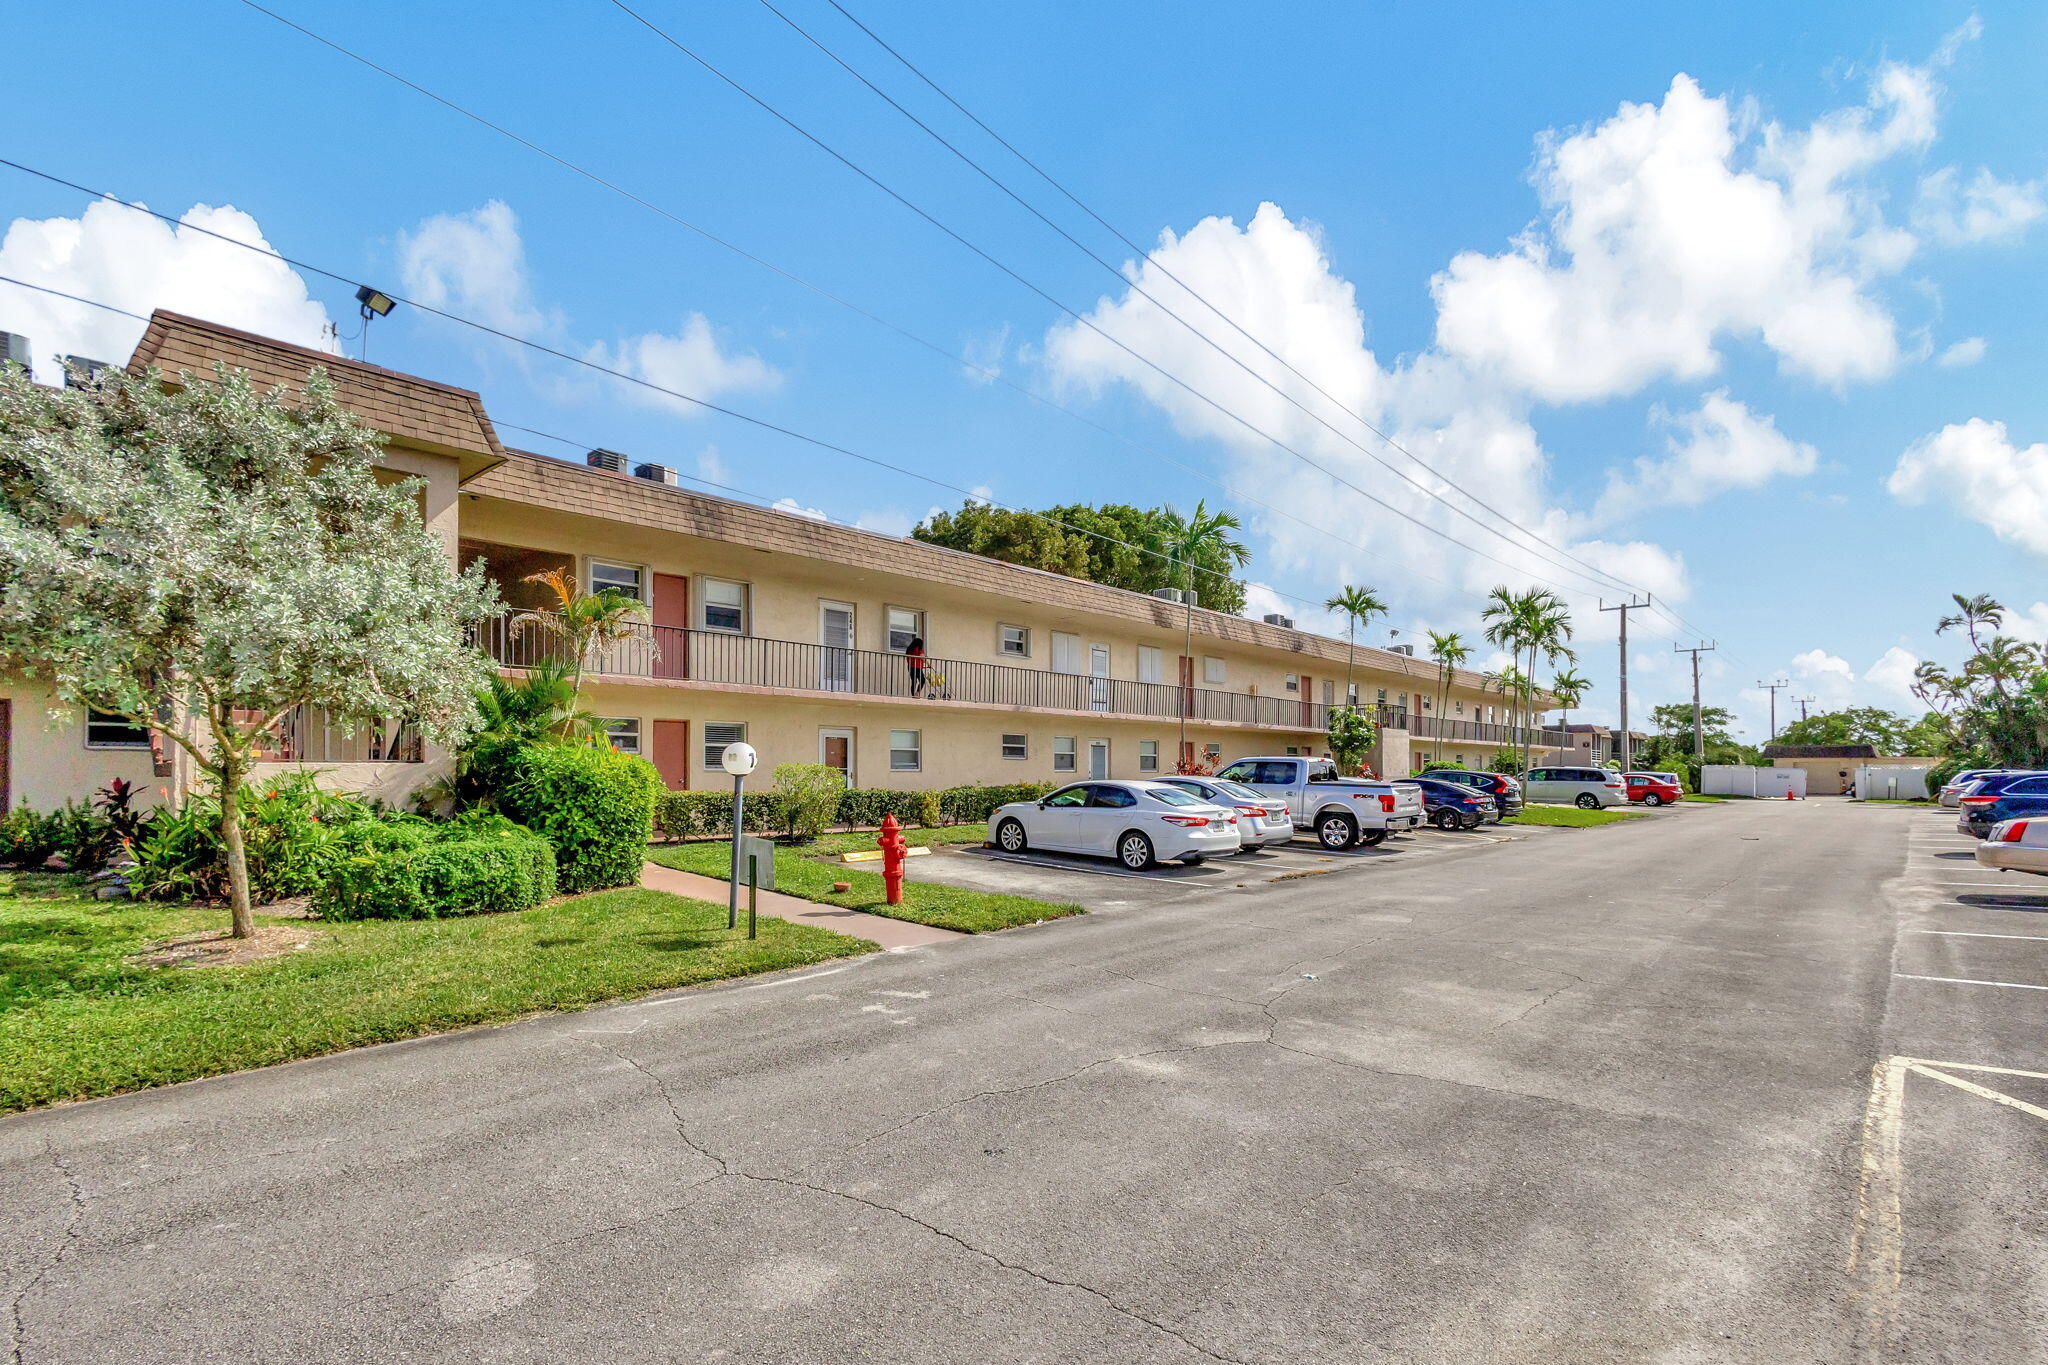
1967 981
1961 933
1067 867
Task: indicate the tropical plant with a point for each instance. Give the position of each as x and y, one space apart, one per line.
512 713
204 560
585 622
595 805
1449 652
808 794
1351 738
1972 613
1534 623
1359 606
1570 688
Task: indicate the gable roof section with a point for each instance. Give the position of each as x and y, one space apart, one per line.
419 412
538 480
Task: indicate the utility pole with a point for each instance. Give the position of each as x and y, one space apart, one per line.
1625 608
1773 688
1699 743
1802 705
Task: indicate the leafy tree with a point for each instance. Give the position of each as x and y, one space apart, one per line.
1351 738
1994 708
1853 725
1674 720
1014 537
1535 622
1202 549
1359 606
205 560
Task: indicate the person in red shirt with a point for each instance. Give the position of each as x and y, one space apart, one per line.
913 654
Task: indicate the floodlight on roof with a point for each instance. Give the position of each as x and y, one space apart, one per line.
374 301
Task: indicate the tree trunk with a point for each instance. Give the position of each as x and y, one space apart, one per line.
238 861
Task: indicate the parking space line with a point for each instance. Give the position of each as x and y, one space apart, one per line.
1069 867
1968 981
1964 933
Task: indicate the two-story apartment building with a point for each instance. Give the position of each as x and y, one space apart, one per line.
796 635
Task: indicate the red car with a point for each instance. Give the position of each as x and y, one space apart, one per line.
1652 789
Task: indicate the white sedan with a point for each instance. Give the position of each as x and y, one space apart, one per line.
1136 823
1261 819
2016 846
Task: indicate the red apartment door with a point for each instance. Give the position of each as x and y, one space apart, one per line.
6 746
672 753
1308 700
671 627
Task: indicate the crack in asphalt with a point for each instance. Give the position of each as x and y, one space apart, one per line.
17 1326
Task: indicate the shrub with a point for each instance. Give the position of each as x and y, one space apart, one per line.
809 796
931 809
685 815
289 831
867 806
974 805
412 870
595 805
27 837
689 815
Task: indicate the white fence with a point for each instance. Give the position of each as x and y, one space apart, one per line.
1891 782
1733 779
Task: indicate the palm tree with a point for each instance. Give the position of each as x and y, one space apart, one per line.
1360 605
1449 652
1549 626
1185 542
1570 689
2001 661
1971 613
584 621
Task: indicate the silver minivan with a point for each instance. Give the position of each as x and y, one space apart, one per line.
1586 788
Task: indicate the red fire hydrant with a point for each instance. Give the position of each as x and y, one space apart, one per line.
892 845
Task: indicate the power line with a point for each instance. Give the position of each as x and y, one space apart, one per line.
1597 574
90 303
934 347
1041 293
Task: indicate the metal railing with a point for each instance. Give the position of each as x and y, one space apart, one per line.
1485 732
306 735
670 652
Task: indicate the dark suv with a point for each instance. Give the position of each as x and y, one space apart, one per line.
1453 805
1505 791
2002 796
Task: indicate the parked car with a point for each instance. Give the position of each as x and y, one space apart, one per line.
1136 823
1261 820
1586 788
1951 793
2001 796
1453 805
1505 791
1342 811
1653 789
2016 846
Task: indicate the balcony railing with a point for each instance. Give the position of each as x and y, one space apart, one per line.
1484 732
710 656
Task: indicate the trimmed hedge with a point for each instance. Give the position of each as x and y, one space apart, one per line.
413 870
685 815
595 805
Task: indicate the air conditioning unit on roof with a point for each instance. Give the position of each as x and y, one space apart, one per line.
608 460
1274 618
1180 596
81 370
655 473
14 347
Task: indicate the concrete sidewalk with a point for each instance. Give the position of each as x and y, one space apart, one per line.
890 933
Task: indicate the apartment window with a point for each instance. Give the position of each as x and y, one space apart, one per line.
107 731
1013 641
1212 671
1351 694
1213 752
906 751
1383 696
1063 753
1461 709
1016 746
1151 664
1401 700
904 625
1293 751
1329 692
725 605
1066 652
718 734
1148 755
624 733
619 578
1293 682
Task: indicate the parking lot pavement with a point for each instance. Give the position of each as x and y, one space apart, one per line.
1099 882
1602 1096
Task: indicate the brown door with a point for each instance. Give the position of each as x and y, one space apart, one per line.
6 745
1308 702
672 753
835 750
671 610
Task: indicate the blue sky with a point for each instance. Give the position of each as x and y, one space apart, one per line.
1789 257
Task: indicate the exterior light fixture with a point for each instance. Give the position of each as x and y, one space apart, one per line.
739 760
374 301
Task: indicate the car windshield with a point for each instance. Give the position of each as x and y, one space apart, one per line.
1173 796
1238 791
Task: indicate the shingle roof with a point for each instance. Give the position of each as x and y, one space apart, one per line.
419 412
541 481
1820 751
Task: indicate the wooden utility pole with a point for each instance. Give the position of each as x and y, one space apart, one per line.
1699 743
1774 688
1625 608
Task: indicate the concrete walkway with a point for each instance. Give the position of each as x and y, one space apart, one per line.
890 933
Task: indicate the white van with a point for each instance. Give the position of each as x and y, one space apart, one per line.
1586 788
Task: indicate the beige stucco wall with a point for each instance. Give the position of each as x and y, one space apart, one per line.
48 760
1824 776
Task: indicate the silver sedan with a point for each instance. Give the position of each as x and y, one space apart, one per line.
1261 819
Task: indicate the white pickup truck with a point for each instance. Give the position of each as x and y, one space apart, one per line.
1342 811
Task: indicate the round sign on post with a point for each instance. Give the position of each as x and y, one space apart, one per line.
738 759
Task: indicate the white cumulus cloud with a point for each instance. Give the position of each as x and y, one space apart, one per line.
690 361
1986 209
1892 674
1976 468
1718 447
1818 663
132 261
1962 354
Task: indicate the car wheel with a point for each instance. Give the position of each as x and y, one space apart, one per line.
1371 838
1134 851
1194 860
1448 819
1336 831
1588 801
1475 822
1010 836
1653 800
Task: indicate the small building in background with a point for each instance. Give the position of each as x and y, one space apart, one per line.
1830 768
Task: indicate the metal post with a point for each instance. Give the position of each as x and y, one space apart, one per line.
753 891
732 884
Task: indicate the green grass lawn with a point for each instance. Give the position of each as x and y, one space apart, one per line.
943 907
77 1021
1571 817
916 838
